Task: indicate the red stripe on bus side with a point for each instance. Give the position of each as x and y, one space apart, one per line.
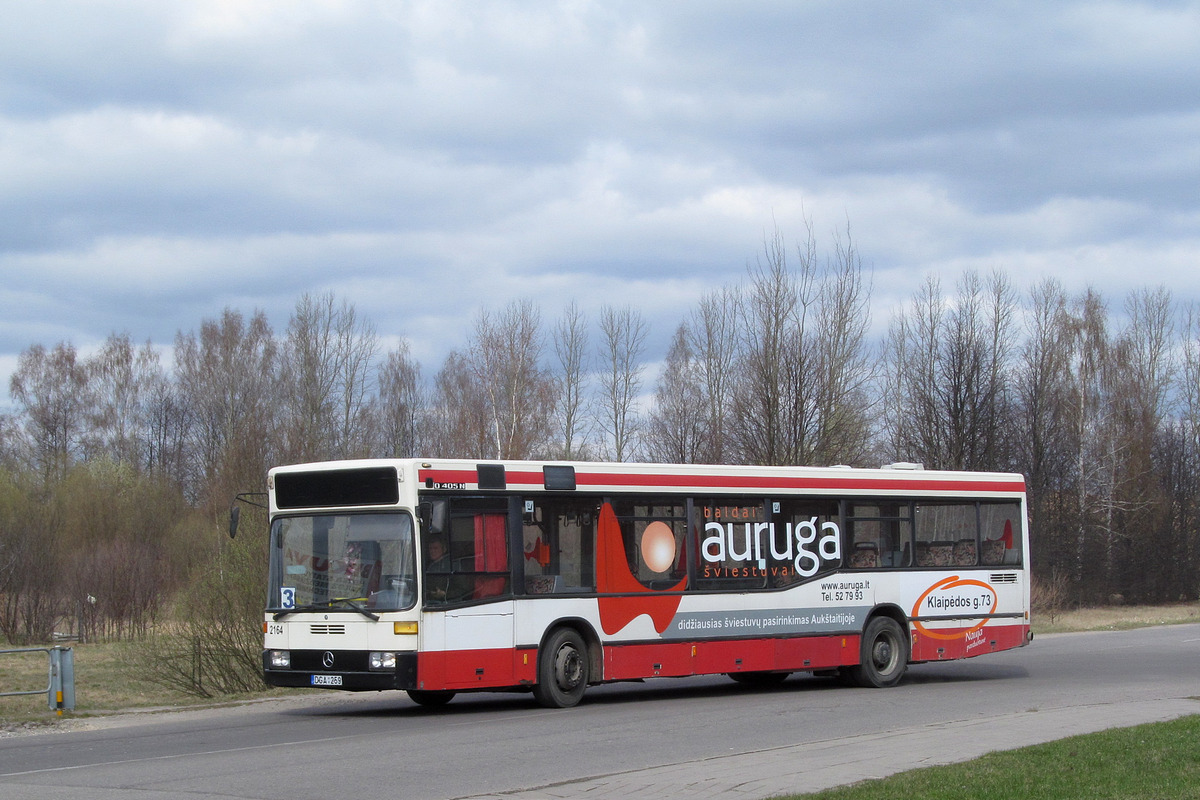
678 659
663 480
463 670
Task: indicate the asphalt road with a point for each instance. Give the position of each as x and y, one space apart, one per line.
706 737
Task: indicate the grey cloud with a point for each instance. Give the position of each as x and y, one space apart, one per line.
159 161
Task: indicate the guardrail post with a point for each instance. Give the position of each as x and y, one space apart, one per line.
62 680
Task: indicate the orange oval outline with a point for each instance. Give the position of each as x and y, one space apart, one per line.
952 582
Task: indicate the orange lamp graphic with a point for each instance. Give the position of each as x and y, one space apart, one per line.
613 576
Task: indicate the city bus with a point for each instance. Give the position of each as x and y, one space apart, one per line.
438 577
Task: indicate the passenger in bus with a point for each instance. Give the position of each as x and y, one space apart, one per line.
437 561
361 565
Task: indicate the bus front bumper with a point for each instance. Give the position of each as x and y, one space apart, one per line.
348 670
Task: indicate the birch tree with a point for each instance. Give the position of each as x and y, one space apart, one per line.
571 353
623 335
51 392
505 358
676 430
401 403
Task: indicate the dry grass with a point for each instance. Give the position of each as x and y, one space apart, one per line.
1116 618
108 678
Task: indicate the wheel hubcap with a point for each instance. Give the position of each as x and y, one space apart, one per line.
568 666
883 653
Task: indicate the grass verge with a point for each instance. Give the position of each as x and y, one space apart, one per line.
109 678
1115 618
1147 762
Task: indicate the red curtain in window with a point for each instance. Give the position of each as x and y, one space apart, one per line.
491 553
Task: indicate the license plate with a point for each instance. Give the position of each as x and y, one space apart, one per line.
326 680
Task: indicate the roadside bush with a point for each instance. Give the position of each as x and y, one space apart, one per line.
215 649
1049 597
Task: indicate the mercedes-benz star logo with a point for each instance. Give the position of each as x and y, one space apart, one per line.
327 660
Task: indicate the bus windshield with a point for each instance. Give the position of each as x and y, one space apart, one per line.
350 562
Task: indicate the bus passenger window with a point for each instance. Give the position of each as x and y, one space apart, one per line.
803 541
880 535
653 533
559 543
471 563
1000 530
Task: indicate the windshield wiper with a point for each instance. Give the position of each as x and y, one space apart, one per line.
348 602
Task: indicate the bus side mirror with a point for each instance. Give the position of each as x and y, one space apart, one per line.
235 514
433 517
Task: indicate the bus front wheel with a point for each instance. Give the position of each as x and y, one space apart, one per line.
562 670
882 655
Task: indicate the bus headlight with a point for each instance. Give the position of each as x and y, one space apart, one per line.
281 659
382 661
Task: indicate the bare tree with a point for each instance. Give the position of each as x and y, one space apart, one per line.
12 443
168 422
30 565
402 403
676 430
308 369
714 343
505 357
1187 479
51 391
623 335
459 419
1143 375
912 418
948 368
767 406
571 353
358 346
226 377
1044 443
1091 424
123 382
803 389
845 369
327 367
1190 369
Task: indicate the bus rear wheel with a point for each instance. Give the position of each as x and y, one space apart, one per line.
430 698
882 656
562 670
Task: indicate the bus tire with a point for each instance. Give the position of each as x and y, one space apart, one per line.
883 654
562 670
430 698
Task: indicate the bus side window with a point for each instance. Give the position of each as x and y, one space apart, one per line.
653 533
734 552
879 535
799 531
947 535
1000 532
559 545
475 565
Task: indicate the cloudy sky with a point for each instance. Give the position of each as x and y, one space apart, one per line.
162 161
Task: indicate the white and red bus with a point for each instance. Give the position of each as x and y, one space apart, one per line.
446 576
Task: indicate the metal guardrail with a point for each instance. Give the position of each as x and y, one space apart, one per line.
60 687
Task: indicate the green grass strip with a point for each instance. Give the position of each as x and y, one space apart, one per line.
1159 761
